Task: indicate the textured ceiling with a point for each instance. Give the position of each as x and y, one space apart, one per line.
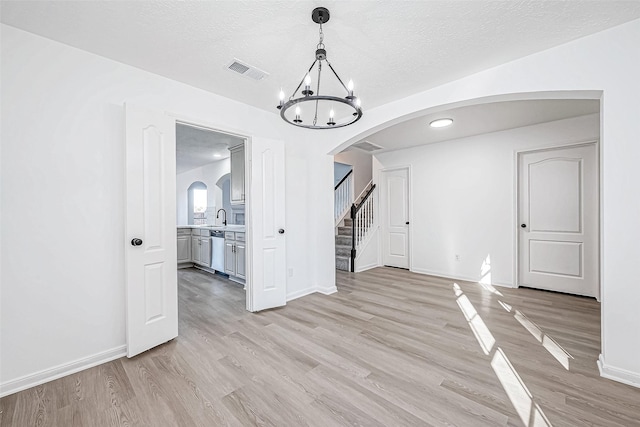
479 119
197 147
390 48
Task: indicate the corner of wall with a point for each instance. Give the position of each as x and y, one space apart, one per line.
327 290
617 374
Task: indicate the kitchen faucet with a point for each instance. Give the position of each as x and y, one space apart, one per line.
225 216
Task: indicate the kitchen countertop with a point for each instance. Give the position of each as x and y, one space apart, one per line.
230 227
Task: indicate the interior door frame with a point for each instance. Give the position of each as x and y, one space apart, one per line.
203 124
383 212
516 198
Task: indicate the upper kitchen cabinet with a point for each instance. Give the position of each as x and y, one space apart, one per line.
237 174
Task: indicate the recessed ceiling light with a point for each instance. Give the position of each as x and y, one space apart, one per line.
217 155
441 123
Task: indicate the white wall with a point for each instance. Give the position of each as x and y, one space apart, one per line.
362 170
209 175
604 66
75 149
62 198
463 196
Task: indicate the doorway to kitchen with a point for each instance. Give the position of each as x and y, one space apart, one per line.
210 206
151 214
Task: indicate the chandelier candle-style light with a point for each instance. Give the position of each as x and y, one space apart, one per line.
320 111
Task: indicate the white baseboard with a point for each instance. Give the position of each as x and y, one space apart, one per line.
301 293
444 275
617 374
362 268
463 278
60 371
504 285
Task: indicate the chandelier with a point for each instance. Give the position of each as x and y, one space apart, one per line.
319 110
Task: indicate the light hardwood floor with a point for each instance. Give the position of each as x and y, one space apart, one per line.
391 348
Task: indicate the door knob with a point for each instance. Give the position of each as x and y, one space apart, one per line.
136 242
281 231
407 223
523 225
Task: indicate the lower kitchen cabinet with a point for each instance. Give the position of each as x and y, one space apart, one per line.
241 251
205 251
195 249
184 247
229 258
235 254
194 246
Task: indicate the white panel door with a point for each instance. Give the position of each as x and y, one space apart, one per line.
151 276
267 209
558 220
395 202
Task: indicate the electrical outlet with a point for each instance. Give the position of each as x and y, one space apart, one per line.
291 272
457 257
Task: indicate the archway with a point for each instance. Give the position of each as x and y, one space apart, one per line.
196 197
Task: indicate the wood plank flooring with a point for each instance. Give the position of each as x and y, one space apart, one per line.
391 348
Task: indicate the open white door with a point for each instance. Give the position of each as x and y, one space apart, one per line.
151 276
268 285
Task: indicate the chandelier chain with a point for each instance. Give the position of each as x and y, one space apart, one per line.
321 42
315 117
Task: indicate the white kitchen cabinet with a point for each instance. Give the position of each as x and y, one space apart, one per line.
235 254
241 260
184 248
195 249
237 174
205 251
229 258
201 247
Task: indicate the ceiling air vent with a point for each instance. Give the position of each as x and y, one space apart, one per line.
246 70
367 146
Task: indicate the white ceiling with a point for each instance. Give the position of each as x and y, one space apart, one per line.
196 147
479 119
390 48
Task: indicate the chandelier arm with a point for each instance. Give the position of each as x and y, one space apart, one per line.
337 76
302 81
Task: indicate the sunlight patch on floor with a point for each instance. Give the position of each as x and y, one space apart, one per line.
529 411
555 349
506 306
480 330
485 276
522 400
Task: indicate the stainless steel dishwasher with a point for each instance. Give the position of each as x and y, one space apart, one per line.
217 250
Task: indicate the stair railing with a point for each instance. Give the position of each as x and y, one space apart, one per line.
362 221
343 197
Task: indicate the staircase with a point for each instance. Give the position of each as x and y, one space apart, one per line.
343 245
363 209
